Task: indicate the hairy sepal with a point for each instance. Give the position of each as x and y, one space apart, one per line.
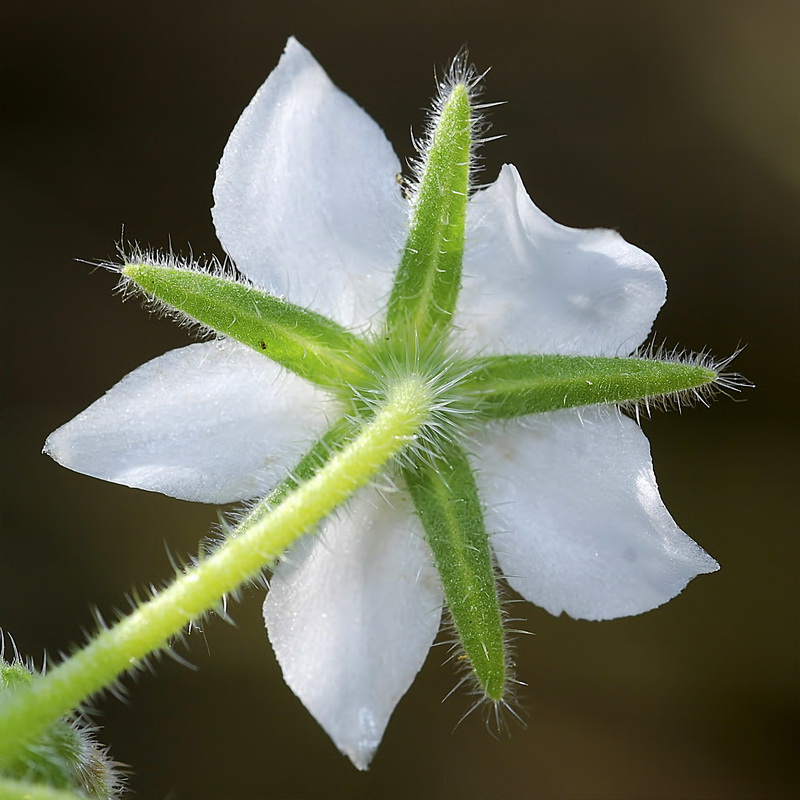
313 346
447 502
511 386
429 276
65 756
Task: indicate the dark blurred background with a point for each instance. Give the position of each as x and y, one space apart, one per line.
674 122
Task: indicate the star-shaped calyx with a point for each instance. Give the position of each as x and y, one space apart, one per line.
514 331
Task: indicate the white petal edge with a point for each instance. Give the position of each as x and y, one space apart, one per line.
579 523
533 285
306 201
351 614
213 422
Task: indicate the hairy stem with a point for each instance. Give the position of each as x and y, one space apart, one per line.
22 790
200 589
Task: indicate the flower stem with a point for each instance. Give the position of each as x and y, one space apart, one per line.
201 588
22 790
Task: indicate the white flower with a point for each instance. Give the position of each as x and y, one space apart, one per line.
307 206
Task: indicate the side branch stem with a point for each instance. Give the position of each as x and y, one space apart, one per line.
25 714
22 790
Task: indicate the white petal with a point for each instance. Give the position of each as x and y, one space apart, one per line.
306 201
580 524
352 614
212 422
532 285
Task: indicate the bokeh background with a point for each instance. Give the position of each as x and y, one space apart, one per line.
675 122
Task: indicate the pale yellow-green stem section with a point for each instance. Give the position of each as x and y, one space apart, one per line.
21 790
32 708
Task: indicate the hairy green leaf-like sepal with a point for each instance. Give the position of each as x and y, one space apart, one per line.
448 505
303 341
429 276
511 386
65 756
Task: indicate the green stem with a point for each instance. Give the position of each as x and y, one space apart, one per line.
22 790
200 589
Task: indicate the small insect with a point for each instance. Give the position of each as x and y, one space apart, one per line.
402 182
262 344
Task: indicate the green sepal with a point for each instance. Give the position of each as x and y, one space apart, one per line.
428 279
511 386
313 346
65 756
448 505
